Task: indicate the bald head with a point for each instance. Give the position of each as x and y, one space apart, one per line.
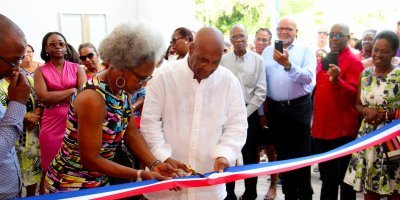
288 21
238 39
210 37
344 28
340 35
11 36
206 52
287 31
12 46
238 27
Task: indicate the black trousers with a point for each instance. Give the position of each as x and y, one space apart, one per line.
250 156
290 122
332 172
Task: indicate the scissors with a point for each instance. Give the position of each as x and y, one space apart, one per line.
194 171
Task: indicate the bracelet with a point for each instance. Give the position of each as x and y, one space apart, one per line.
154 164
139 175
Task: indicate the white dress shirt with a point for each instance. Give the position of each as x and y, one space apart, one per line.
250 71
194 123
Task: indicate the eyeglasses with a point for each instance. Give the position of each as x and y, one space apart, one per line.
238 37
323 33
89 55
263 40
142 79
15 64
55 44
173 41
337 35
282 29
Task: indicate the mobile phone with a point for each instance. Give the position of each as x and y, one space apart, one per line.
331 58
279 45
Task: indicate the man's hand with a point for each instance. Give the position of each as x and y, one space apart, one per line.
19 89
166 169
220 164
178 165
334 72
282 58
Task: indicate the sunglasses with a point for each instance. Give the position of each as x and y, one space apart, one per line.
173 41
337 35
89 55
55 44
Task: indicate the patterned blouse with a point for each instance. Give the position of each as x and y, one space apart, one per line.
66 172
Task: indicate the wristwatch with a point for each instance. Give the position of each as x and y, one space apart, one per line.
288 67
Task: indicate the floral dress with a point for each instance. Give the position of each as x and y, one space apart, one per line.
27 145
366 170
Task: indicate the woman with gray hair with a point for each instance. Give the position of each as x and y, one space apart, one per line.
99 117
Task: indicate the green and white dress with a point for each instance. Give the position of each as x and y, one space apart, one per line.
366 170
27 146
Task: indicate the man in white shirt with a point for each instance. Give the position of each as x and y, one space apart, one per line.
194 114
249 69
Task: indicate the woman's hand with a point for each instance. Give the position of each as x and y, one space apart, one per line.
147 175
31 120
34 118
374 116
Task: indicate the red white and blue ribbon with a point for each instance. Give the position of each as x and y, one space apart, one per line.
232 173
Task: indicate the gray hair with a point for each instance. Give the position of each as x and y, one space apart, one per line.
129 44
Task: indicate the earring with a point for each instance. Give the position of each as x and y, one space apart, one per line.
120 86
47 54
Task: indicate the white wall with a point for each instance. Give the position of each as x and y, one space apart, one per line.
37 17
169 15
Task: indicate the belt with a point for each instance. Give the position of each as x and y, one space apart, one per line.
289 102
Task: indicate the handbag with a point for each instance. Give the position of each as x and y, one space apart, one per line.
391 150
123 156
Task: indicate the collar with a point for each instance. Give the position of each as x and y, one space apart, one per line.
293 44
346 50
244 57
